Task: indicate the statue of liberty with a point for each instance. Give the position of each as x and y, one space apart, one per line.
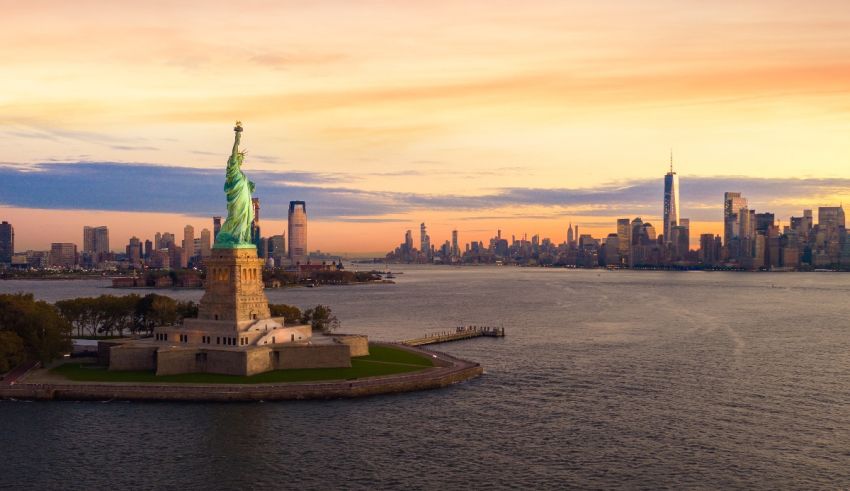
236 230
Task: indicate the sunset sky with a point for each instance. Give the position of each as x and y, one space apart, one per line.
468 115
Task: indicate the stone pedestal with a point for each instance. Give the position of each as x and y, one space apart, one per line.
234 287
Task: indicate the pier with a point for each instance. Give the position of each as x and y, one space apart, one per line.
460 332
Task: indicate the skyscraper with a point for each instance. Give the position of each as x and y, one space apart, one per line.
88 239
188 245
216 227
455 246
206 242
7 242
134 252
255 228
732 204
624 232
297 231
424 241
671 201
570 234
408 241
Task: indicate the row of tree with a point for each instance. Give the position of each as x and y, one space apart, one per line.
110 315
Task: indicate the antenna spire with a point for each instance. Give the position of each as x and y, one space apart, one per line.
671 160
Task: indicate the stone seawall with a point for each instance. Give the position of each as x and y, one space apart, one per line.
448 370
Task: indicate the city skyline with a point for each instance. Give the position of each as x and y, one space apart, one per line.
596 226
538 117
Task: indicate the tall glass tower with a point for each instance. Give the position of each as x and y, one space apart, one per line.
671 202
297 231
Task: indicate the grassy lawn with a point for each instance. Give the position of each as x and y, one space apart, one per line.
381 361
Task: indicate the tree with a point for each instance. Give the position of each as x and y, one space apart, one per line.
187 310
44 332
12 351
290 314
321 318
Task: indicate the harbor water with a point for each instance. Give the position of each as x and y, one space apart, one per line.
633 379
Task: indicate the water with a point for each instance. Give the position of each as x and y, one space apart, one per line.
605 379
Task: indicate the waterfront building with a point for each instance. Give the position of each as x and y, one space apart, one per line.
188 247
63 255
96 240
277 248
830 232
7 242
455 246
624 232
671 201
611 256
732 204
708 254
134 252
297 222
425 241
679 242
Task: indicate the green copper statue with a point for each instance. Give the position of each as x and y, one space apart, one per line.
236 230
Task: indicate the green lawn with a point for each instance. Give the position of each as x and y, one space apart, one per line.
382 360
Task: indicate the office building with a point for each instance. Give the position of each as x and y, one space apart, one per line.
671 202
63 255
732 204
624 233
255 228
7 242
134 252
455 246
206 243
188 247
297 231
216 227
424 241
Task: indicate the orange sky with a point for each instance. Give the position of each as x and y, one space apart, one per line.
453 98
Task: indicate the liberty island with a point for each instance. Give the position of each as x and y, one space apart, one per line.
235 339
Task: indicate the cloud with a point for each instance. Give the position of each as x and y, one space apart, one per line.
132 148
154 188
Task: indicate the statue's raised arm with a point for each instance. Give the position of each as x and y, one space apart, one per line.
234 155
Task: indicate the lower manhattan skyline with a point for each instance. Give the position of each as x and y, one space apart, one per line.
472 125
